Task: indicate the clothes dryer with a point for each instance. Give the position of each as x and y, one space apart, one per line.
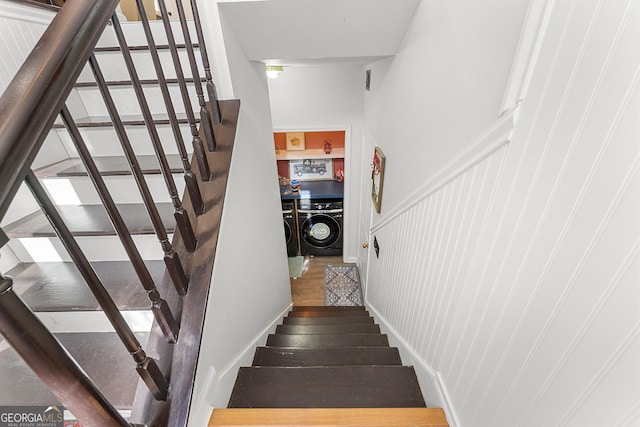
320 226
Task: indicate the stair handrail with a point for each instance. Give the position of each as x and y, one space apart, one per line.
32 101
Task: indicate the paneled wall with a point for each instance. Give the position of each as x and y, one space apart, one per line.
19 34
514 278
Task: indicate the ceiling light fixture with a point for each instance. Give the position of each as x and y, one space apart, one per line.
274 71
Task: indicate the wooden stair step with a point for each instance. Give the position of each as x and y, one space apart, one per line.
342 356
337 340
108 166
311 313
327 387
327 308
58 286
91 220
98 353
340 417
327 329
327 320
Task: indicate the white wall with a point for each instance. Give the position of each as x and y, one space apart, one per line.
511 279
250 286
326 97
442 89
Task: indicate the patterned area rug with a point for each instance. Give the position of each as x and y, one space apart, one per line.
342 285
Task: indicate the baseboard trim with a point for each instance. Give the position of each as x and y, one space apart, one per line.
434 377
250 348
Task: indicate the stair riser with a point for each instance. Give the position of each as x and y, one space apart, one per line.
80 190
103 141
346 356
126 102
327 320
310 341
103 248
328 314
327 329
339 309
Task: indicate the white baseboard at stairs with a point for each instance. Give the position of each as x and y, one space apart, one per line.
430 380
219 384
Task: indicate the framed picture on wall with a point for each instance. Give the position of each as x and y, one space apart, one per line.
311 169
377 177
295 141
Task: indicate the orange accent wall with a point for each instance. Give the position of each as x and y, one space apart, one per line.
313 140
280 140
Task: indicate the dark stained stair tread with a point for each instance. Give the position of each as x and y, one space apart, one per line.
327 320
58 286
341 356
327 387
341 340
93 352
91 220
311 313
108 166
327 308
327 329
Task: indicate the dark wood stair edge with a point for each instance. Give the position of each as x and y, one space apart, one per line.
181 358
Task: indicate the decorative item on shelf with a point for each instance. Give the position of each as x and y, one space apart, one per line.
377 177
295 141
339 175
285 185
327 146
295 186
311 169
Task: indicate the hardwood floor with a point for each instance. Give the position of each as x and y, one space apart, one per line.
309 289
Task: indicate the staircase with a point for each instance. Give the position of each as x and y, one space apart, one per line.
327 366
110 205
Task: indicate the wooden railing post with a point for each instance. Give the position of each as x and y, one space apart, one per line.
146 367
171 259
211 87
51 362
205 118
189 177
198 146
159 306
181 216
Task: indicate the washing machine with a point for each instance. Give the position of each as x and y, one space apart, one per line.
320 226
290 229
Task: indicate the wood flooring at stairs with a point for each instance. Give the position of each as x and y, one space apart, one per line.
327 387
332 362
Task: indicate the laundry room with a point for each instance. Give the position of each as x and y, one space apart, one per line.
317 116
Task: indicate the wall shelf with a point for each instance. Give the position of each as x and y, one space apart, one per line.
317 153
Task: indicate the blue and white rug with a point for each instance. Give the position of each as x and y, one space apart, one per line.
342 285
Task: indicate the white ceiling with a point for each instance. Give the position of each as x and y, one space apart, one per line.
319 32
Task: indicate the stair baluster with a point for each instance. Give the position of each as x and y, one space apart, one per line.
147 368
50 361
159 307
171 259
205 118
189 177
198 145
182 219
211 87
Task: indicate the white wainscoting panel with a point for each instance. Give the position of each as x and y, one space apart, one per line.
516 279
